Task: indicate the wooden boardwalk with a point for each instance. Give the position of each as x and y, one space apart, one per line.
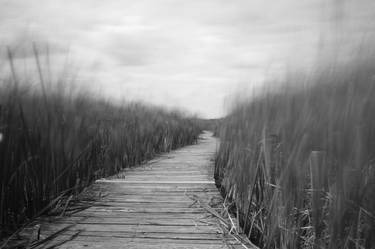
166 203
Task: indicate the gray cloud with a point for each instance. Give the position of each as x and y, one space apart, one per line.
178 53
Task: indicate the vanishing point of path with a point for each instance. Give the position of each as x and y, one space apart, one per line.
166 203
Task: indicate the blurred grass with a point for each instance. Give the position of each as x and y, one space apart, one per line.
298 161
53 141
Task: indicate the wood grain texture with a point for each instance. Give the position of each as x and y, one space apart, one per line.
149 206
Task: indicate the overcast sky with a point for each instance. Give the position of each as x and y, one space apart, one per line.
187 54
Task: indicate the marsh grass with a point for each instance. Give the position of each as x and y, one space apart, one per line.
299 161
55 143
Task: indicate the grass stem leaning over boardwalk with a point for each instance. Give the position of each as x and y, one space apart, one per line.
53 142
299 162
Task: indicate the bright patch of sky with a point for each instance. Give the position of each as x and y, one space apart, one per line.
183 54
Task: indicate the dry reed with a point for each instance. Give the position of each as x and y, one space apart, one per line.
299 161
53 141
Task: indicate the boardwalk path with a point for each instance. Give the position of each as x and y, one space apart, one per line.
151 206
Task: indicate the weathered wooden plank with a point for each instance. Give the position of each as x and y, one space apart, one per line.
131 201
143 215
111 205
115 244
175 176
171 221
166 178
191 210
150 235
155 188
163 170
161 192
169 183
132 228
142 239
153 198
125 189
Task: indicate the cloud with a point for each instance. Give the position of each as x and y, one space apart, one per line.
189 54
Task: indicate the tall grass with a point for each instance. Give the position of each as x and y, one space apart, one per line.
299 161
54 142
